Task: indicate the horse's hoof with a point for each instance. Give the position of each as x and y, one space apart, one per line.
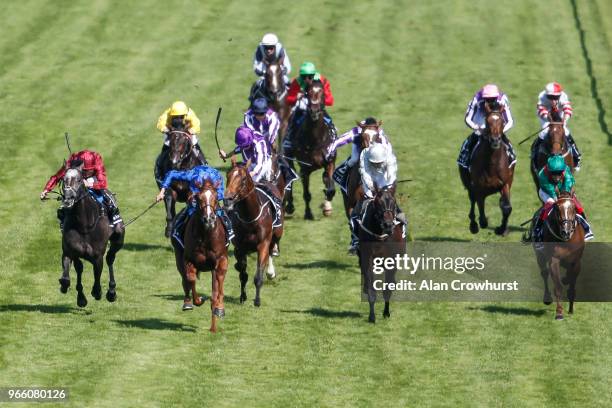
187 306
559 317
484 222
257 302
168 231
386 315
97 294
81 300
473 227
327 208
547 302
372 319
199 301
64 285
243 298
289 210
308 215
564 280
502 231
111 296
220 313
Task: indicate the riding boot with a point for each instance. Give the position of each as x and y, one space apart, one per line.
353 225
330 124
588 232
163 156
227 224
465 153
199 154
113 211
61 216
511 153
575 152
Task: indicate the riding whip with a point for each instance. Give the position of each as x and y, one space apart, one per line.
141 214
404 181
68 142
532 135
296 160
216 125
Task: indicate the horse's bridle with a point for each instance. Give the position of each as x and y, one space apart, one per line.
186 135
238 195
562 223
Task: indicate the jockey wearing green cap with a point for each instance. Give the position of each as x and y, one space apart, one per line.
296 98
556 178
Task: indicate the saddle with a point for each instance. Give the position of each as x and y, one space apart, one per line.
287 172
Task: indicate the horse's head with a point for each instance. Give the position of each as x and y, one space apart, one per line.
565 210
315 97
495 128
239 183
274 79
385 207
73 187
370 133
207 202
180 147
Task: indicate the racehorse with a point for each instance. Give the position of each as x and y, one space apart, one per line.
277 96
555 143
252 219
180 157
563 238
354 190
489 173
380 235
85 235
311 139
204 250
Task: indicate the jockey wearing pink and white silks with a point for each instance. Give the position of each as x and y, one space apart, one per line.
263 121
475 114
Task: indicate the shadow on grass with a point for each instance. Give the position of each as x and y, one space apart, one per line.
52 309
320 264
441 239
179 298
156 324
320 312
516 311
137 246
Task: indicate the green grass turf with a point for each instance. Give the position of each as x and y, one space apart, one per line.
104 71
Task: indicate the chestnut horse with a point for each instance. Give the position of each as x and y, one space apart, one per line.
380 236
490 172
563 238
85 235
277 96
252 219
204 250
311 140
555 143
180 158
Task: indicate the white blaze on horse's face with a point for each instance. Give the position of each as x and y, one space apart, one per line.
208 195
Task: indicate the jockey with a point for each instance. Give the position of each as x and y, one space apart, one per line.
295 97
94 176
263 121
196 178
378 169
271 50
554 100
254 150
177 117
475 118
372 129
555 177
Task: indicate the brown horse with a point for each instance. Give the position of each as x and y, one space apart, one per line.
489 173
277 96
181 157
380 236
563 238
354 190
555 143
204 250
252 219
311 139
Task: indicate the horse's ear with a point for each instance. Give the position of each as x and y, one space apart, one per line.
198 184
233 159
379 124
359 124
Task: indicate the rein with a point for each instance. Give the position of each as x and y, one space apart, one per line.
563 222
188 136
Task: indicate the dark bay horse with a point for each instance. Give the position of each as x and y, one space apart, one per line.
277 96
204 250
252 219
181 157
489 173
554 144
311 140
380 236
85 235
563 238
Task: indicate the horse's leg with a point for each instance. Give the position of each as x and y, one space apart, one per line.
262 264
180 267
289 207
64 280
81 299
241 266
482 217
572 273
306 194
191 275
389 277
472 215
544 273
115 245
506 209
330 189
169 203
218 277
555 274
96 289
